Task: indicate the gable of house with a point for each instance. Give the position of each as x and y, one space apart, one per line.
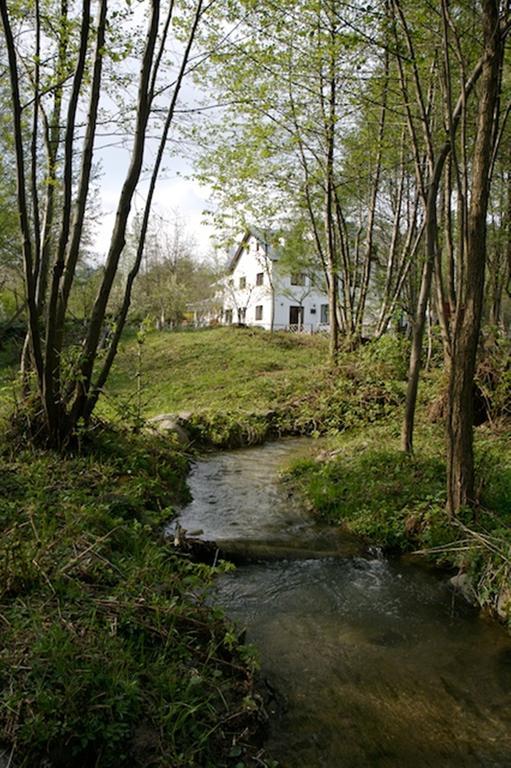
257 292
255 243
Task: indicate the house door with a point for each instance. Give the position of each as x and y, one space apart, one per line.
296 317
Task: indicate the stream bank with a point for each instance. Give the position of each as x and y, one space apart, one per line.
372 662
109 654
364 482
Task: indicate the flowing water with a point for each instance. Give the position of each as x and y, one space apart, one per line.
372 662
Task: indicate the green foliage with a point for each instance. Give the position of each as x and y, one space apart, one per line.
494 375
110 655
390 354
493 466
171 280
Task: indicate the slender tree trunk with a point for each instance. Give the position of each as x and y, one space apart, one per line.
52 395
508 237
123 313
420 317
368 254
80 406
34 337
330 116
460 458
429 193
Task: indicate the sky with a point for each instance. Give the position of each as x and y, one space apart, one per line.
177 193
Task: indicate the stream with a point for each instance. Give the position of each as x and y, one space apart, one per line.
373 662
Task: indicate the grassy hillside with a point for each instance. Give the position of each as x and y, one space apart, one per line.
239 371
223 368
244 385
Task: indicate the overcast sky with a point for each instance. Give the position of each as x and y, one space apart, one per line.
177 194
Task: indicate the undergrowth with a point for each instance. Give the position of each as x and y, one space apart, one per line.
110 655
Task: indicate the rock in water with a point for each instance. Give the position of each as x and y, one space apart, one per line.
172 422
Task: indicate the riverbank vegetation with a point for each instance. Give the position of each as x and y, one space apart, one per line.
110 655
364 482
105 622
371 144
259 385
239 386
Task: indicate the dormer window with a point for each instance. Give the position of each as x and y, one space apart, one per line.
298 278
243 282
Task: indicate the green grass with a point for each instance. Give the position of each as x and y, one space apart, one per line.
213 369
244 385
363 480
109 654
220 368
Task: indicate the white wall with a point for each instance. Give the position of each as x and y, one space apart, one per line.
253 261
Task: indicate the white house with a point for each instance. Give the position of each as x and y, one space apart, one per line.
257 291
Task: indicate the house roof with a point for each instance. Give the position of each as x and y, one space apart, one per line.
262 236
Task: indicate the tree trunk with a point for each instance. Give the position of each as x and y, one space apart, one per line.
460 458
420 316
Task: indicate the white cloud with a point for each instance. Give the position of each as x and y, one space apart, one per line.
174 197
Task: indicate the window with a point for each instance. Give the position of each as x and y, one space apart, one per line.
260 278
228 316
242 314
230 283
259 312
243 282
323 318
298 278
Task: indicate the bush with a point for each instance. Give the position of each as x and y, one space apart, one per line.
493 376
390 354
